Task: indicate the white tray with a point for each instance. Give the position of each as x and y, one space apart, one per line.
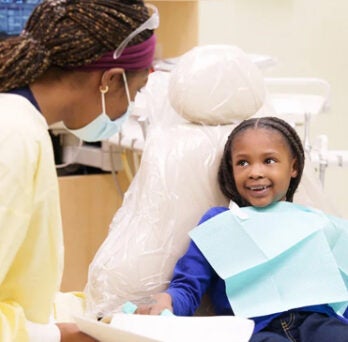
146 328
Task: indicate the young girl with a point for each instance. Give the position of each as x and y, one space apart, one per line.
265 258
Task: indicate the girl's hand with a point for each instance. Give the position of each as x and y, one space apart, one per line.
158 303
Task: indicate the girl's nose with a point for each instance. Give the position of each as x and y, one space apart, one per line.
256 171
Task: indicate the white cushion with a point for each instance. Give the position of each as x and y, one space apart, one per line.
216 84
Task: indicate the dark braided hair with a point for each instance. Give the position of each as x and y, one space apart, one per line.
67 34
225 174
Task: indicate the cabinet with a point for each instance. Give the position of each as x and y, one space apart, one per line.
178 30
89 202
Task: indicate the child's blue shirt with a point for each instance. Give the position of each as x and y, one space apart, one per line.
194 276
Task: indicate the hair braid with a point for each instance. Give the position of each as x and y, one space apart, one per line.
225 173
21 58
68 33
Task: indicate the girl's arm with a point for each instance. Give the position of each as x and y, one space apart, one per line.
191 278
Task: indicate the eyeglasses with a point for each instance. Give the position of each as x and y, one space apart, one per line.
150 24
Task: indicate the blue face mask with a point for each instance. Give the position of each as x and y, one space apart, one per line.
102 127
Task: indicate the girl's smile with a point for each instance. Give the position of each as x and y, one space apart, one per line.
259 191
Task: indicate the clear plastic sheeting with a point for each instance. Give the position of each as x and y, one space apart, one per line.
215 85
175 184
149 232
311 193
176 181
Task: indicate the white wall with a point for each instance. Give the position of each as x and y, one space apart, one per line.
310 39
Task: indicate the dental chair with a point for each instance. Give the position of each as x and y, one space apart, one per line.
186 117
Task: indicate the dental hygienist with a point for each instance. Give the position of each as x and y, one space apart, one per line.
80 62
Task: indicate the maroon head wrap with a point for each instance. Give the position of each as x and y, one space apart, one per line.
135 57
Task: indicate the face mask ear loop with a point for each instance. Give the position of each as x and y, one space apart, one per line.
126 86
103 91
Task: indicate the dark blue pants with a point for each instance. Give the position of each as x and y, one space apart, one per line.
303 327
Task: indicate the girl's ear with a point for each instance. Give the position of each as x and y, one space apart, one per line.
294 168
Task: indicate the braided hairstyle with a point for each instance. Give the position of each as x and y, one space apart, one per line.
225 173
67 34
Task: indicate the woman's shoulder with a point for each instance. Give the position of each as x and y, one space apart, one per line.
19 115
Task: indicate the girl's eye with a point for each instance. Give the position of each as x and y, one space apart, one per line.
242 163
270 161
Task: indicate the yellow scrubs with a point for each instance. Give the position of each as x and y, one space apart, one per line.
31 244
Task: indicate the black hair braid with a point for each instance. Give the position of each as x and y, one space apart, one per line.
21 58
296 147
67 34
225 172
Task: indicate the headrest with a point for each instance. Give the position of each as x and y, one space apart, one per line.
216 84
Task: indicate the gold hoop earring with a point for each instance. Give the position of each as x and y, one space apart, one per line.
104 90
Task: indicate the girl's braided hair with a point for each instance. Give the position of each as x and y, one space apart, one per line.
67 34
225 173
